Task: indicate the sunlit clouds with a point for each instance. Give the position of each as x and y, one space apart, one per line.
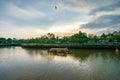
33 18
22 13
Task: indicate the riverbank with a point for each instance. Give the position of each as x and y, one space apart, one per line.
72 46
3 45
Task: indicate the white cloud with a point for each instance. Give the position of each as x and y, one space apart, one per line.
8 29
14 31
114 12
58 21
94 31
66 28
24 13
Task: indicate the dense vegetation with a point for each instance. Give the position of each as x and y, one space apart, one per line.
77 38
9 41
74 39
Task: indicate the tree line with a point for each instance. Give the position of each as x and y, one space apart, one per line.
77 38
10 41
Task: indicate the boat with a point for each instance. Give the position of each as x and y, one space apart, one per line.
59 50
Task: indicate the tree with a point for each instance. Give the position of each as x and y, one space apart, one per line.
2 40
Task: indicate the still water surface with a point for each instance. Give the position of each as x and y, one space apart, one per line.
18 63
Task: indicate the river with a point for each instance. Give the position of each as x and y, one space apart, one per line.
18 63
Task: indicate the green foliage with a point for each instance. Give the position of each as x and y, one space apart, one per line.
78 38
10 41
2 40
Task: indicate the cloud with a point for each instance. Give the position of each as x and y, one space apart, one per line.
39 16
103 22
84 5
65 28
115 5
105 17
24 13
8 29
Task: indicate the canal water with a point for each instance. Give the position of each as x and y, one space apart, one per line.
18 63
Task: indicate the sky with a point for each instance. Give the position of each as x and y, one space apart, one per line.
33 18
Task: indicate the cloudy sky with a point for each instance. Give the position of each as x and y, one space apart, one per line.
32 18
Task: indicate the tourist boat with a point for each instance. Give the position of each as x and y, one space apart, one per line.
59 50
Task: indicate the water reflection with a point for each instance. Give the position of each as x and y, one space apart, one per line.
18 63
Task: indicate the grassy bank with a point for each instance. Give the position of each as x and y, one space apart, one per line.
10 45
74 46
